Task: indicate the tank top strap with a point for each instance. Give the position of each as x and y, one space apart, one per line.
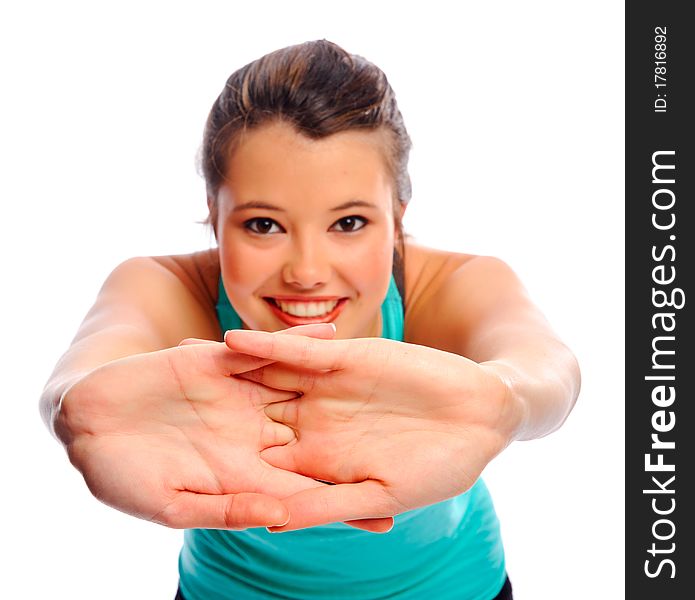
392 317
392 313
226 315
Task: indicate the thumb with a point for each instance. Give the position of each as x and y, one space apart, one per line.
356 502
223 511
372 525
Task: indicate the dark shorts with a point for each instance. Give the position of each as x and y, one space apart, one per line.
505 594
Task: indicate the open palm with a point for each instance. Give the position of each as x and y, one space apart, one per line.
397 426
170 437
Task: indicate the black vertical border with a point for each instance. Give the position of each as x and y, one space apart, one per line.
647 132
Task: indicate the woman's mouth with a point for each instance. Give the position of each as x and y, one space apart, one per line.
295 312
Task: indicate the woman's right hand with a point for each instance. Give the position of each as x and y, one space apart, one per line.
171 437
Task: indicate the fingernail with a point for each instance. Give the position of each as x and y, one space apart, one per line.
273 530
333 327
279 524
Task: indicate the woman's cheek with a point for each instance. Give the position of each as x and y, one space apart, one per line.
371 264
252 266
237 270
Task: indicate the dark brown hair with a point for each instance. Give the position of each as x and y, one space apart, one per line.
320 89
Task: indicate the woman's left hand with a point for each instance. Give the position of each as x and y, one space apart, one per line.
395 425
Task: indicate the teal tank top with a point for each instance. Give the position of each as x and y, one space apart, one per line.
446 551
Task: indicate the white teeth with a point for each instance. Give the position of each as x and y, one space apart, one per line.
307 309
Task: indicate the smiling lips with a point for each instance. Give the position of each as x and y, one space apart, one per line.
302 312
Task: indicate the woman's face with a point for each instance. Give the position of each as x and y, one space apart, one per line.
306 230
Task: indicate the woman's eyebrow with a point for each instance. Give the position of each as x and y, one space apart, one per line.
257 204
351 203
267 206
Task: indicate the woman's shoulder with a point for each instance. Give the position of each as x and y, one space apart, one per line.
426 270
198 272
443 288
175 295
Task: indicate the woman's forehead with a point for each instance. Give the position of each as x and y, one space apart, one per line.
275 161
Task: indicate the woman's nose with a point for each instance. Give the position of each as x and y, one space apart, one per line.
308 265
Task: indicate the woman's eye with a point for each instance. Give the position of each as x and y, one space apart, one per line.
352 223
263 226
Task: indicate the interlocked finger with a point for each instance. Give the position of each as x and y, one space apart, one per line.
284 377
258 394
284 412
276 434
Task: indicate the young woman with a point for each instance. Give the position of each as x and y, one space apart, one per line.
361 377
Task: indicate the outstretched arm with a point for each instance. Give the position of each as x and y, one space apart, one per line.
162 431
145 304
484 313
399 426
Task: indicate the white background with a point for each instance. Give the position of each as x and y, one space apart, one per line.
516 114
